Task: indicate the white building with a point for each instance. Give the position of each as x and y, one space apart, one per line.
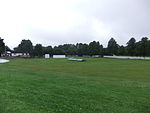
47 56
59 56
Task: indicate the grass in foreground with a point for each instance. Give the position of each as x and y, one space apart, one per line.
61 86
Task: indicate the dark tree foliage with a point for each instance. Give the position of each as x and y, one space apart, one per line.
38 50
141 48
69 49
137 49
95 48
25 46
148 48
144 46
112 47
82 49
66 49
131 47
58 50
121 50
7 48
105 51
2 46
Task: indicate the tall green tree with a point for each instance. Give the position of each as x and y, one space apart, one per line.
144 46
95 48
131 47
121 50
58 50
25 46
2 46
38 50
112 47
69 49
79 49
85 49
82 49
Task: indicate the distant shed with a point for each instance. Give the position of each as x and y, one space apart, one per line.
47 56
59 56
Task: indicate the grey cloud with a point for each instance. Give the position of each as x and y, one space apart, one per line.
126 19
121 19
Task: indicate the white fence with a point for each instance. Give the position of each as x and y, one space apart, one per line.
127 57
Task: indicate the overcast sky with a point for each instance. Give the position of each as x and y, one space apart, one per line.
53 22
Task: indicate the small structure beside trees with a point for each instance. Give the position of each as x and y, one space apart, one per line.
59 56
47 56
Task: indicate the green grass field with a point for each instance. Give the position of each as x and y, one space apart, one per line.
61 86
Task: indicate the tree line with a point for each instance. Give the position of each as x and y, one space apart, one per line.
132 48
